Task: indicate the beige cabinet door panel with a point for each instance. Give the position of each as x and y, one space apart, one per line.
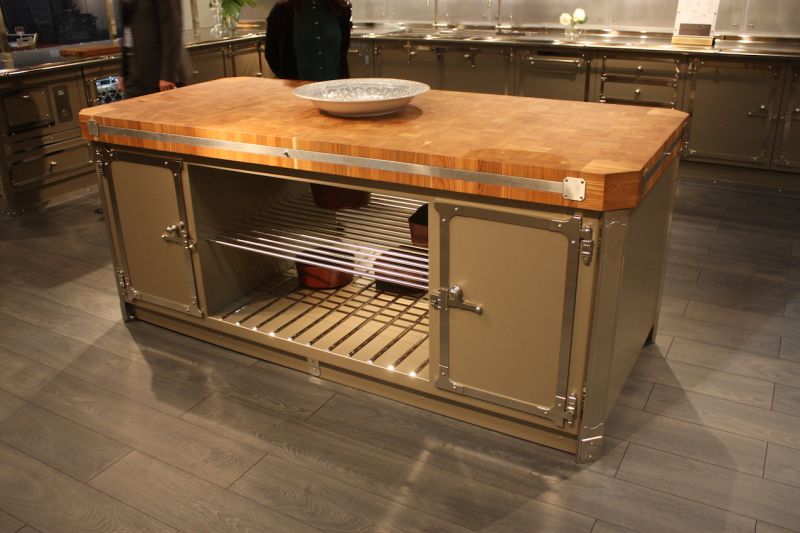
507 298
152 245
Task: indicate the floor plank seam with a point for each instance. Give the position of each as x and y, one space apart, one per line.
707 395
660 491
54 413
115 461
727 372
709 427
101 387
187 411
624 453
306 419
240 476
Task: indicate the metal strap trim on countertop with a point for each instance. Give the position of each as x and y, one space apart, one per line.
570 188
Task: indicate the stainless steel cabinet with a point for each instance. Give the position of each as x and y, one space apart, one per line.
360 60
208 64
526 281
409 61
131 181
787 145
640 80
480 69
43 156
734 107
561 75
246 59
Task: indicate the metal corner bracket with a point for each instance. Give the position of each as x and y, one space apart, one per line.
574 189
94 130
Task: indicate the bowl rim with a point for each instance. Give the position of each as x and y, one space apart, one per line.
419 89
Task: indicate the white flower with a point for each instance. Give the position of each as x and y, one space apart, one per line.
565 19
579 16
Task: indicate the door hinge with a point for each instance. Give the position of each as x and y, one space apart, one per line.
587 244
122 282
570 409
125 287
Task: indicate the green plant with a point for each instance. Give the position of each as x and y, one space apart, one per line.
231 8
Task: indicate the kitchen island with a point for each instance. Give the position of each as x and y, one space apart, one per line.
541 280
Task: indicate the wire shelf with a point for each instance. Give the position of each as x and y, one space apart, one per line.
372 241
358 321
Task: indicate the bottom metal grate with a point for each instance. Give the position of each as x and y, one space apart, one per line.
358 321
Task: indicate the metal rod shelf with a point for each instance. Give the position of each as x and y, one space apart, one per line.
358 321
371 242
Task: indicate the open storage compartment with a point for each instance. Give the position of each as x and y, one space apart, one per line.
379 318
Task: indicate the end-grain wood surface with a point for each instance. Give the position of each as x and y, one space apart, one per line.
610 146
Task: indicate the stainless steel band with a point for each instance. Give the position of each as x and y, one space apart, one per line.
570 188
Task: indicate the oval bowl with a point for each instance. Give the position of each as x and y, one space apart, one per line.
361 97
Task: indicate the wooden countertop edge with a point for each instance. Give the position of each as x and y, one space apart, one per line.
604 192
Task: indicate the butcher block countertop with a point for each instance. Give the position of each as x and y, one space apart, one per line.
491 144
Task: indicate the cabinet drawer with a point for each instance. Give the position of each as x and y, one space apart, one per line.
28 109
624 92
638 68
42 167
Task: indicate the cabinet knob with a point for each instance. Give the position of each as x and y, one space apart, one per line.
639 68
26 97
53 164
637 92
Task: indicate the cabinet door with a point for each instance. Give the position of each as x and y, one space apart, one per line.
787 151
409 62
545 74
359 60
733 107
208 64
477 69
152 246
246 60
635 80
507 302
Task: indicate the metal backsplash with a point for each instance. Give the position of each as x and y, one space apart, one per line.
749 17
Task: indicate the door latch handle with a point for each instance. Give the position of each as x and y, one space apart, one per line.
453 298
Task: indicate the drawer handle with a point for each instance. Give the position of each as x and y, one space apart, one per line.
26 97
53 164
637 92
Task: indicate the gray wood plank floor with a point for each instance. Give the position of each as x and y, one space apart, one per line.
107 426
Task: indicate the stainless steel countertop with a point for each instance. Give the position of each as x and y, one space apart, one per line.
628 41
47 59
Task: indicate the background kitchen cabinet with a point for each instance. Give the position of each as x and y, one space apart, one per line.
477 69
787 145
641 80
247 59
360 59
408 61
43 154
734 106
552 74
208 64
